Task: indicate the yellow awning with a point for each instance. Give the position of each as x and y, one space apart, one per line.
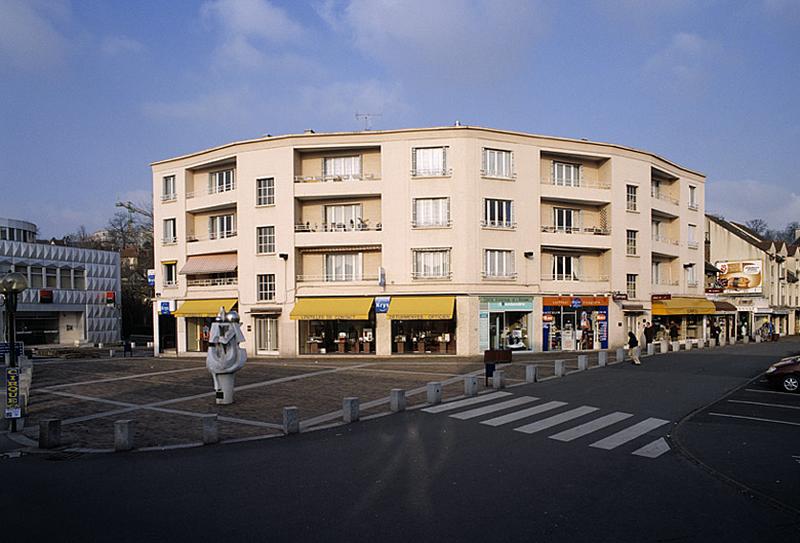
320 309
204 308
428 308
684 306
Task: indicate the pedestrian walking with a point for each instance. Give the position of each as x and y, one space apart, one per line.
633 348
649 332
673 331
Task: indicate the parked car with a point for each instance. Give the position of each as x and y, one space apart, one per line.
785 375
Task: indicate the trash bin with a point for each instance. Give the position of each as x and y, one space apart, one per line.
492 357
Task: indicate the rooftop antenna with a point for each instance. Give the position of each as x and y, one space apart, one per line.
367 119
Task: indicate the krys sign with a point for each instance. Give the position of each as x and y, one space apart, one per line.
12 407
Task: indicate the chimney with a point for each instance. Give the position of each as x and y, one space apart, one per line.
308 131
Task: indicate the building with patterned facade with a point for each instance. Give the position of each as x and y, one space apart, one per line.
73 293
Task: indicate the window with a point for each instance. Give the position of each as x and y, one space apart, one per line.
692 236
428 212
265 191
3 233
656 230
497 163
168 188
265 240
631 197
170 276
498 213
341 168
691 280
630 282
169 231
498 263
37 281
565 174
630 242
429 161
79 279
655 276
431 263
221 226
66 279
266 334
566 220
265 287
565 268
51 278
343 217
655 188
221 181
693 197
343 267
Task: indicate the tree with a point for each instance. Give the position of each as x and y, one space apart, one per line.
759 226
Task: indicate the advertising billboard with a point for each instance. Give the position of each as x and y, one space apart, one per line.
740 277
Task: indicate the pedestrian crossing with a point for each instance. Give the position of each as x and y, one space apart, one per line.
504 408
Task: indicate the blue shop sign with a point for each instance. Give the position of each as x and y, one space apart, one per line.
165 308
382 304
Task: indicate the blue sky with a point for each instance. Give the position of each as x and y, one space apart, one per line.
93 91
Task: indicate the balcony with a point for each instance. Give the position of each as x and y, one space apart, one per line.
693 244
426 277
576 237
664 204
335 178
211 198
308 187
432 172
326 235
499 277
498 225
665 286
588 192
215 282
694 206
169 197
362 226
574 283
214 242
169 241
663 245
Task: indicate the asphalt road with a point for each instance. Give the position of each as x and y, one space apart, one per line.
426 476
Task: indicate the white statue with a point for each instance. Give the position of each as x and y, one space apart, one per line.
225 357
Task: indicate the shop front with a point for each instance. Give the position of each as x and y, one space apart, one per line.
335 325
199 315
723 319
423 324
506 322
574 323
685 316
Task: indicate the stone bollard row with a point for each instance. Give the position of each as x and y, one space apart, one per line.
397 400
560 368
583 362
350 409
499 379
602 358
49 433
531 373
434 392
123 434
471 385
291 420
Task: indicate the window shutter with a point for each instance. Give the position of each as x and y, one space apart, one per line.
414 211
413 160
576 267
447 210
210 226
210 183
580 174
484 151
444 160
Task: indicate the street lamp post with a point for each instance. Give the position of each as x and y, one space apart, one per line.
10 287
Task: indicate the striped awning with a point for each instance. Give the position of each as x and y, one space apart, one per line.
203 264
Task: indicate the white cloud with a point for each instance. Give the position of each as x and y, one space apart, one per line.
684 63
222 105
479 41
742 200
249 28
29 39
117 45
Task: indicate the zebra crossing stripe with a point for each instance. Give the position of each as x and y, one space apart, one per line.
472 413
468 401
516 415
654 449
640 428
555 420
591 426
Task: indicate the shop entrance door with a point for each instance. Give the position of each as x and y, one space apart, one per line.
496 330
266 335
568 331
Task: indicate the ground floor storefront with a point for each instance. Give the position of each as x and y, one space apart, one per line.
574 323
49 327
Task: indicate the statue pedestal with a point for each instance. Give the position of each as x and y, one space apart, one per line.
225 392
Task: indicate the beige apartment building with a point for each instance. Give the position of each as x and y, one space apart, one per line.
448 240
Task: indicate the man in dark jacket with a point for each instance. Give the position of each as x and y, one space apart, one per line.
649 332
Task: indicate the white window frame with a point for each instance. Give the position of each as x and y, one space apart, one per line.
655 188
170 235
693 197
265 287
691 277
165 269
631 198
631 285
499 263
266 326
569 266
655 272
432 263
265 191
265 239
336 266
423 165
430 212
221 181
168 191
498 163
631 242
341 168
567 219
222 226
343 217
498 213
691 236
567 174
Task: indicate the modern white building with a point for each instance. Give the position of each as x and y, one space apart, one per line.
73 293
445 240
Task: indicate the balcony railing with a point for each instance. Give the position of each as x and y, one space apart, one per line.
575 277
335 178
212 236
432 172
691 284
496 175
169 240
693 244
362 226
666 282
576 230
507 225
423 275
169 197
330 278
214 189
663 197
170 284
217 282
664 239
694 206
499 276
442 224
576 183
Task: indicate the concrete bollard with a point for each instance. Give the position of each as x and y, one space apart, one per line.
664 346
583 362
291 420
434 392
688 345
676 346
701 344
49 433
531 373
621 354
651 349
123 435
560 368
350 409
602 358
746 340
471 385
499 379
210 429
397 400
758 338
712 342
